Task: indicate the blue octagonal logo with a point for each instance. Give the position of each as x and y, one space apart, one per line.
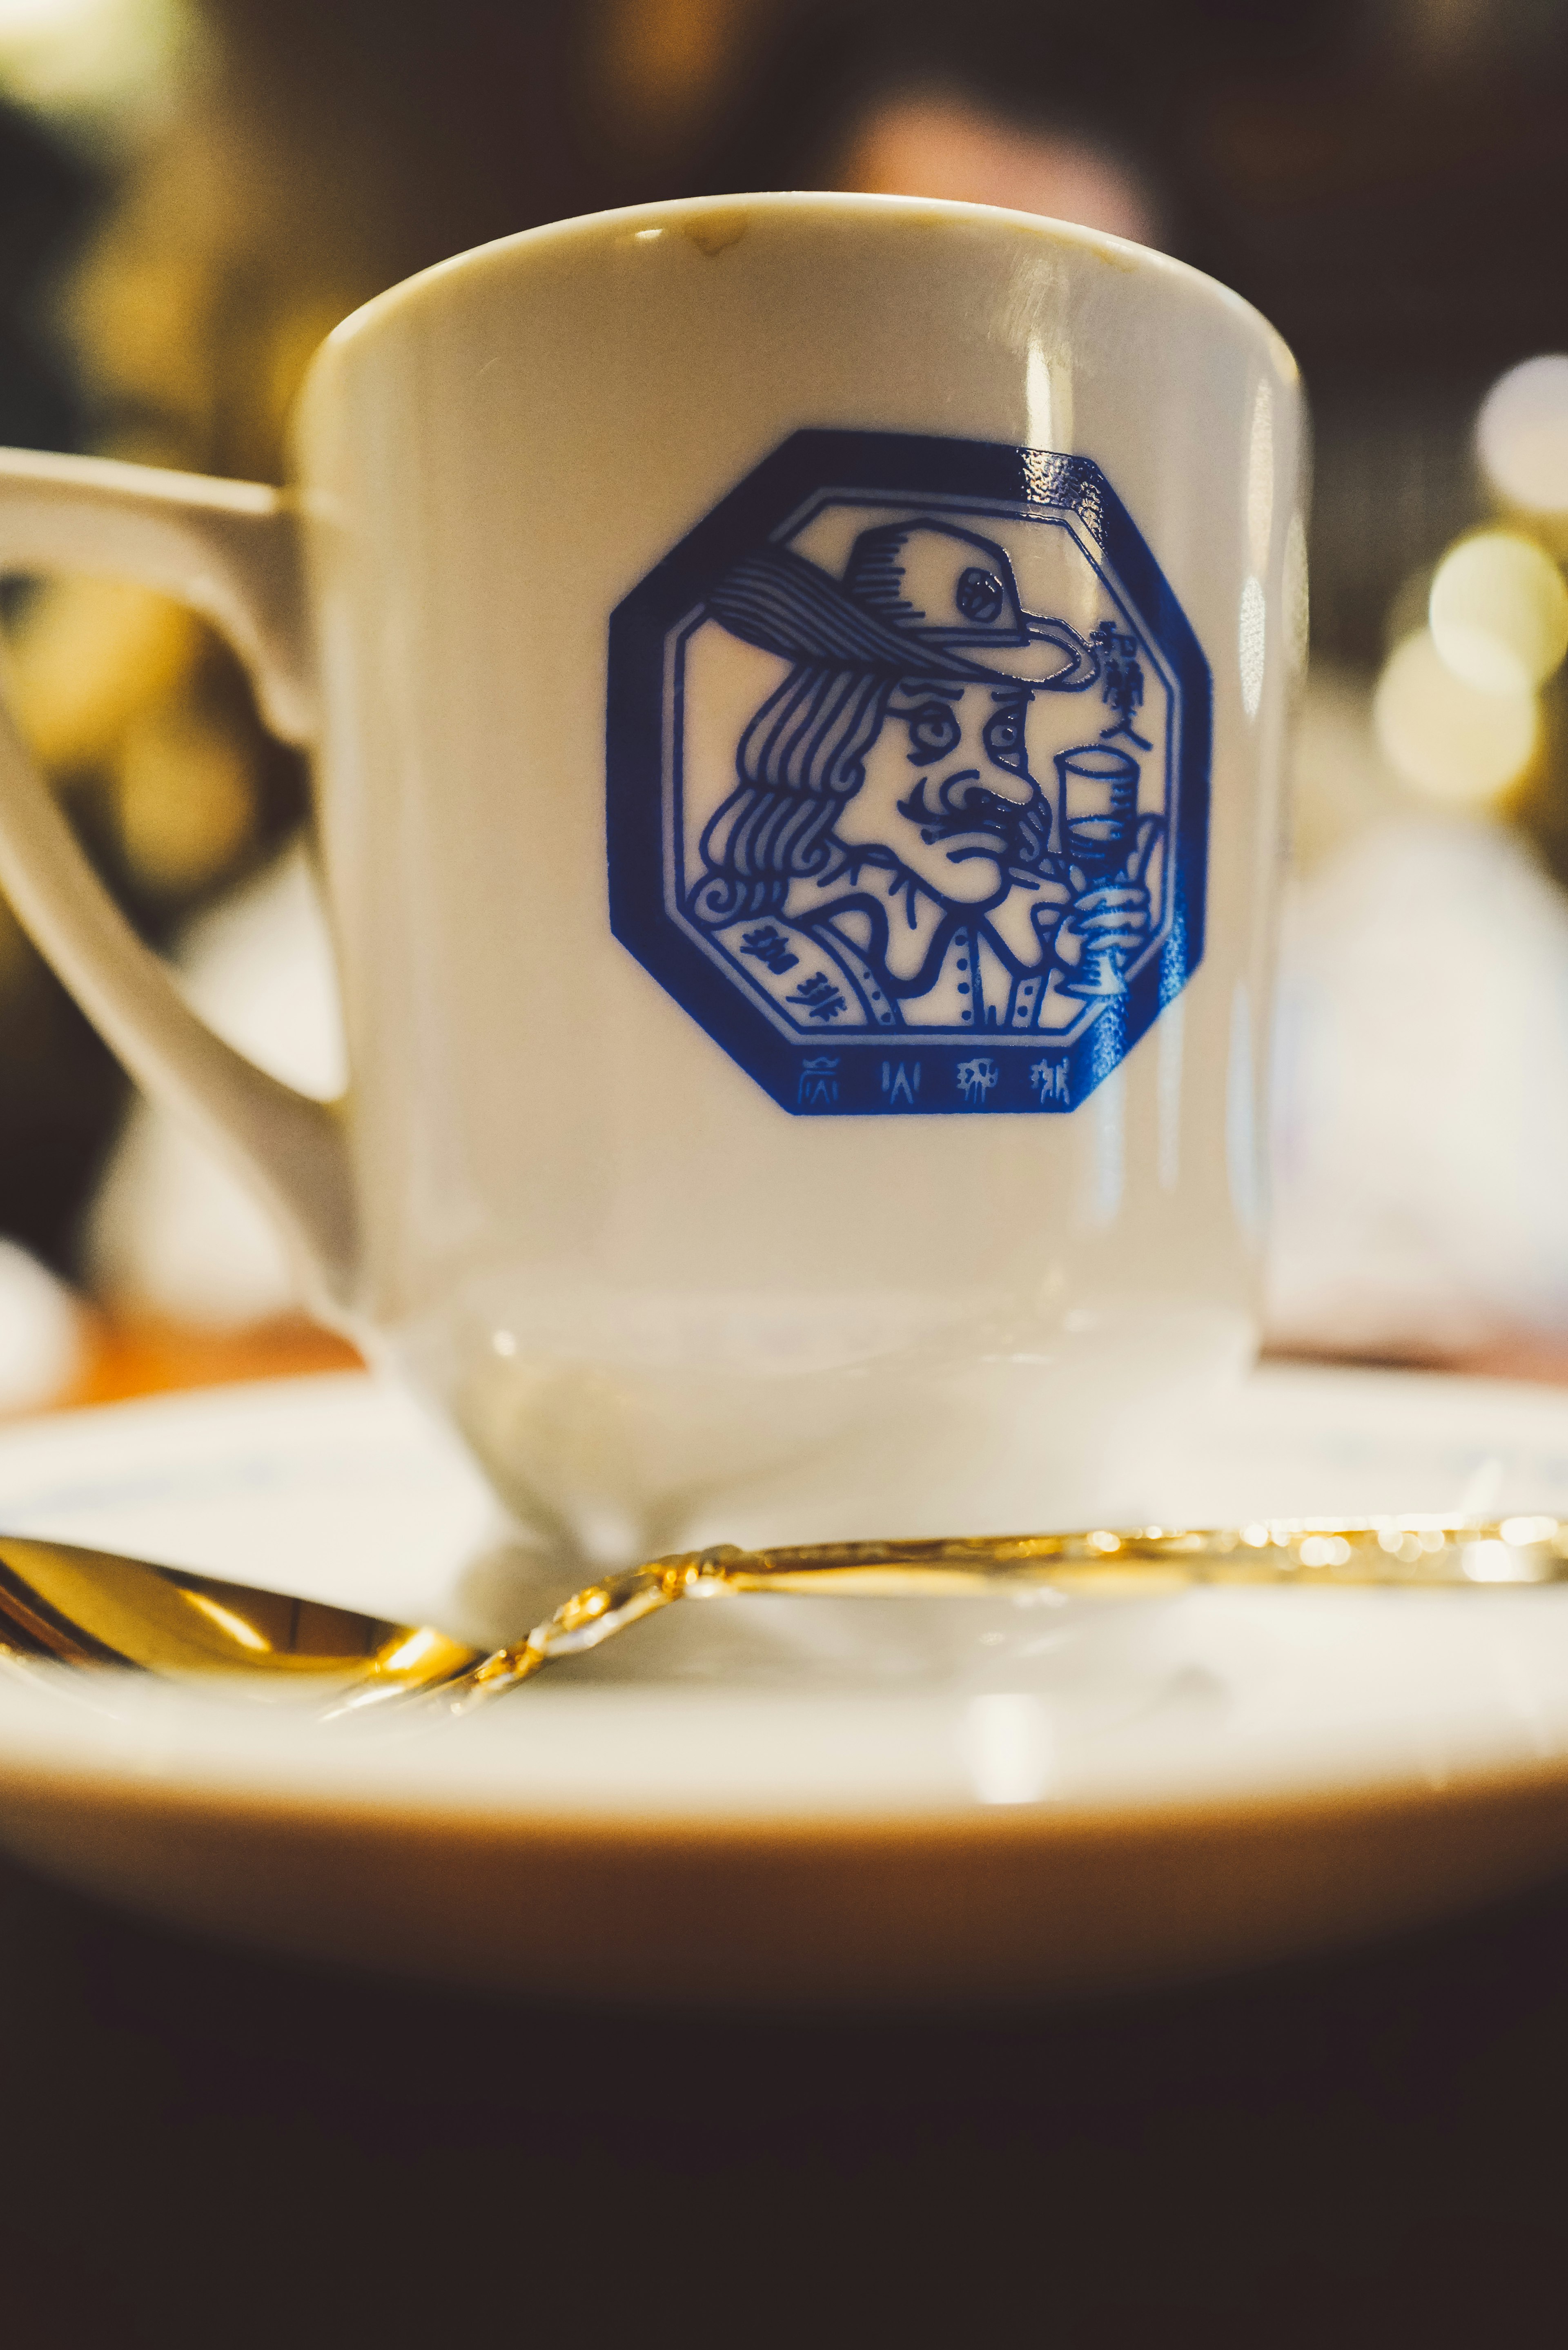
908 749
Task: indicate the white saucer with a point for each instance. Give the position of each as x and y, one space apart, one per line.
803 1799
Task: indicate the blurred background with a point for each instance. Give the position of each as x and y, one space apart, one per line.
193 192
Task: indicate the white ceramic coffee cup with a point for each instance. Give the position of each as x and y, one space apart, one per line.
683 1165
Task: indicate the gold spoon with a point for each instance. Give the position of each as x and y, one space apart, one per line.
61 1605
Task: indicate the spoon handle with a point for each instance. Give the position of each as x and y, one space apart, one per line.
1413 1551
1406 1553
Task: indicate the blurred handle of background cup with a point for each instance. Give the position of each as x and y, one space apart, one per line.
231 551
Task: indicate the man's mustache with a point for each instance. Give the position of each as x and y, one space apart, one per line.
978 810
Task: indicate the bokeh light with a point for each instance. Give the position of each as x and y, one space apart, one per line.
936 142
1499 612
25 18
71 56
1447 739
1521 435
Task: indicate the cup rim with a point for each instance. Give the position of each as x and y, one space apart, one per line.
647 219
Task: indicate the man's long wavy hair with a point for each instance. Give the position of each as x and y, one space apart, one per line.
803 756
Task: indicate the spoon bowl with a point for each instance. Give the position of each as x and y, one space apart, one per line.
61 1605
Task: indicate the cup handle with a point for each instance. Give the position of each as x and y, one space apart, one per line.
231 550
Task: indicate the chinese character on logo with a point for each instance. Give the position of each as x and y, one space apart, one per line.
1122 673
1049 1079
900 1082
820 997
770 947
975 1079
819 1082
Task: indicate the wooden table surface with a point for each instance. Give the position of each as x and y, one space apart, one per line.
130 1354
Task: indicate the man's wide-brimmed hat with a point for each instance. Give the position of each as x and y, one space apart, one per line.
918 599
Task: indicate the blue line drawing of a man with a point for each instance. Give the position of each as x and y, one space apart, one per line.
887 859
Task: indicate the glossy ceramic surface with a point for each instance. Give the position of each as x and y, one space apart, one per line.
647 1291
734 636
797 1799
